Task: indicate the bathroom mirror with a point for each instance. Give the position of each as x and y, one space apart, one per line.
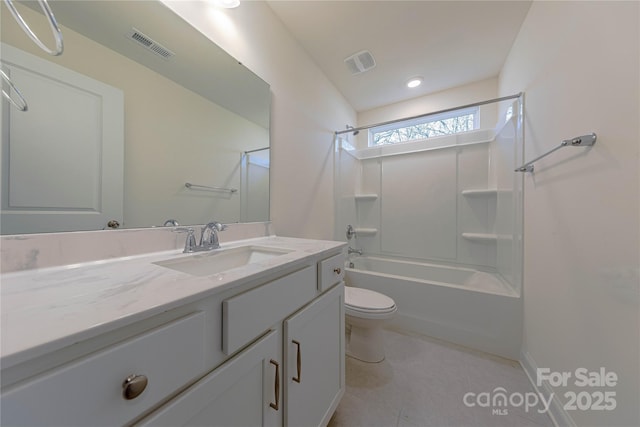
139 104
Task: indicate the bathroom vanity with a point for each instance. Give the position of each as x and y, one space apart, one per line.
250 334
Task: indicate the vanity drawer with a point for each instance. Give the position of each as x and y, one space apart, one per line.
249 315
330 272
91 391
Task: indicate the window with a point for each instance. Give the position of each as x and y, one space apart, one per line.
425 127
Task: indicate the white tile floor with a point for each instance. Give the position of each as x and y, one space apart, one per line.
422 383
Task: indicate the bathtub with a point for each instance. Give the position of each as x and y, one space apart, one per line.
460 305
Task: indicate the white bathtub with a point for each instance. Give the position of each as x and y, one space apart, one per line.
461 305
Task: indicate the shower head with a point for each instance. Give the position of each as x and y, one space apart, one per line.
355 132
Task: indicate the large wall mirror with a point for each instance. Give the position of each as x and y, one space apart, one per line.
139 104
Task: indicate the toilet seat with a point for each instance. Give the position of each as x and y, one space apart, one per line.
366 303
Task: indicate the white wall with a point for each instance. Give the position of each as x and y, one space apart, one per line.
306 110
578 63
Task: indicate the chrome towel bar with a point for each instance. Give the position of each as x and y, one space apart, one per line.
579 141
208 188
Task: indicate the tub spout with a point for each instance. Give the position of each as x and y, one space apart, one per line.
354 251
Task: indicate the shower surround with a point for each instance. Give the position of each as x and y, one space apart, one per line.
439 222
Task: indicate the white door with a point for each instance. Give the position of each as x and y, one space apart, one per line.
244 392
314 360
62 160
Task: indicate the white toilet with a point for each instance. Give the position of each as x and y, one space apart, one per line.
365 313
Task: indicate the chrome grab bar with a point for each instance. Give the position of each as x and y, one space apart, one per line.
22 105
57 34
579 141
206 187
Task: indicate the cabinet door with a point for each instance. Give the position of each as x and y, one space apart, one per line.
242 392
314 360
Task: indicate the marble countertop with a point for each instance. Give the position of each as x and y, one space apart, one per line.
46 309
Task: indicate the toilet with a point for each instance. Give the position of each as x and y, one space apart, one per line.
365 313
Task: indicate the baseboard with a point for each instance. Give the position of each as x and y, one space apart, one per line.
474 339
557 413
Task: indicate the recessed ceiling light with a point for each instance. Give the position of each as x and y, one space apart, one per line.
414 82
227 4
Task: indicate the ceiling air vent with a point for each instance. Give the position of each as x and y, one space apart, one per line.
360 62
148 43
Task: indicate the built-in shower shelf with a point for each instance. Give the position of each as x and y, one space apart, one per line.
480 192
363 197
480 237
486 237
366 231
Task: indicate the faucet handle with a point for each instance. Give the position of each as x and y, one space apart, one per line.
215 224
190 242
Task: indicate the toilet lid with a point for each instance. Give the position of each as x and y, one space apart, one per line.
367 299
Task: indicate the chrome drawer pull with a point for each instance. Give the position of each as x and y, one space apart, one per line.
133 386
277 385
298 362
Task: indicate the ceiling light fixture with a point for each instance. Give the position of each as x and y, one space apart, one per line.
414 82
227 4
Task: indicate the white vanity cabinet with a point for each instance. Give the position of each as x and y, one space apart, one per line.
268 351
293 375
90 391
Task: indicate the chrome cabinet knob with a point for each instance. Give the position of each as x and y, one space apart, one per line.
337 270
133 386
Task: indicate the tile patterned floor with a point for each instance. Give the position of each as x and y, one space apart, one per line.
422 383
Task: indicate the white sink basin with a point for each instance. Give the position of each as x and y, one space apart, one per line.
219 260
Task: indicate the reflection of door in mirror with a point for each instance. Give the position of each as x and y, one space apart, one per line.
62 163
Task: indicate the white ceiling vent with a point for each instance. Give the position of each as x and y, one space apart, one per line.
360 62
148 43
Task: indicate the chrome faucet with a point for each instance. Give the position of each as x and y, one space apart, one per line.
206 244
212 242
354 251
